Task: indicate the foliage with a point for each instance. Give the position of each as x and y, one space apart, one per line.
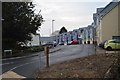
19 21
35 49
26 50
63 30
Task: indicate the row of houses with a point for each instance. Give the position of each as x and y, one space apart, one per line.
105 26
83 35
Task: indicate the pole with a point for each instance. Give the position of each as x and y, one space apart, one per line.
39 40
53 26
46 50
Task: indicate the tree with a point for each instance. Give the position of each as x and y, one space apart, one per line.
63 30
19 22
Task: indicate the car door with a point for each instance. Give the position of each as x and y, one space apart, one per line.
118 44
112 44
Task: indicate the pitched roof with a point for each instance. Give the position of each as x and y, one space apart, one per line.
108 8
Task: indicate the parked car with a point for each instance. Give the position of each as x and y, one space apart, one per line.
61 43
112 44
74 42
50 44
69 42
102 44
54 43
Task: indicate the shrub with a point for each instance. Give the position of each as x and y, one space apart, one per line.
35 49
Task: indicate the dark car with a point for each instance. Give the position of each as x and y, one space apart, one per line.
54 43
69 42
102 44
61 43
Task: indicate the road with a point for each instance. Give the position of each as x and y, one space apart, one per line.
27 65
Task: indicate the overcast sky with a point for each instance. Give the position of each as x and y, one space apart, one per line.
72 14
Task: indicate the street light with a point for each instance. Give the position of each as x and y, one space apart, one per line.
52 25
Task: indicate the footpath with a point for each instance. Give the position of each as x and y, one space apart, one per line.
100 65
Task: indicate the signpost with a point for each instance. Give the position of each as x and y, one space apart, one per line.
7 52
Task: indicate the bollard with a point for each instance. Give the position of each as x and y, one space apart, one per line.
46 50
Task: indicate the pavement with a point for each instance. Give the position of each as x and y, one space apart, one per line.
11 74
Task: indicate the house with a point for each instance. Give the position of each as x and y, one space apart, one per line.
110 21
75 34
84 35
45 40
107 22
35 40
69 35
96 18
55 33
80 30
91 34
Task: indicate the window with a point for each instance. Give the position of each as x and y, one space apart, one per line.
112 42
117 41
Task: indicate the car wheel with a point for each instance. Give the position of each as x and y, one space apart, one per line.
109 48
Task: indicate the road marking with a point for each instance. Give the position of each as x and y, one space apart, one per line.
6 63
11 74
22 65
19 57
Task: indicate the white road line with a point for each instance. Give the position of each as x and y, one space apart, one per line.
6 63
21 65
24 64
18 57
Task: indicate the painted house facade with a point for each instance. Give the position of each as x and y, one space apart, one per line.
105 26
35 40
110 21
106 22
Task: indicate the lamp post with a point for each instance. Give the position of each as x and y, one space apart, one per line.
39 40
53 26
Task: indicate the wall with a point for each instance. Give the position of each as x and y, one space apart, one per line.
109 25
46 39
35 41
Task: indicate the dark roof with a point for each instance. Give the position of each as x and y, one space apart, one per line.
108 8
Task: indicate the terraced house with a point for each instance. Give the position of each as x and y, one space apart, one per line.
108 22
96 18
106 26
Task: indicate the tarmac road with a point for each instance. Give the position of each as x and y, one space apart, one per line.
25 66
